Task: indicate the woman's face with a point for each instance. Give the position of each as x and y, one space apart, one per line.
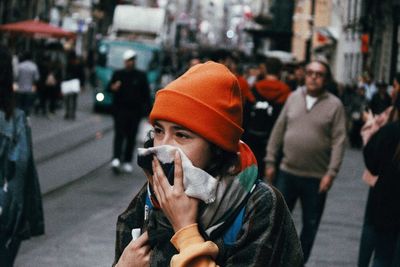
196 148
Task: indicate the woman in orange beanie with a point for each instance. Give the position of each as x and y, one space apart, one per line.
203 204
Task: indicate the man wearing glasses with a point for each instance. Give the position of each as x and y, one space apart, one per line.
311 133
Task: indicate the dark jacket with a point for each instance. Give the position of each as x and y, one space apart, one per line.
134 93
24 213
380 160
267 236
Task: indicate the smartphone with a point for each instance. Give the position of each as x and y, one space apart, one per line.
145 162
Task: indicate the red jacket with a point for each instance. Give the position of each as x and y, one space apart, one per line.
273 90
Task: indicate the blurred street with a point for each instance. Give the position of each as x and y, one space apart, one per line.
82 197
68 62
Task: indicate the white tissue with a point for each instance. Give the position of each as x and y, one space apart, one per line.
197 183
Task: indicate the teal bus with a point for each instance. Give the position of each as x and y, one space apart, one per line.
109 59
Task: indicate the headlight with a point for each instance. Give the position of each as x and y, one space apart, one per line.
99 97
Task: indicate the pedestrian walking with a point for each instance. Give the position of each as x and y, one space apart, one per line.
131 102
311 133
74 72
21 213
28 76
232 63
49 87
270 95
371 126
299 74
217 212
367 81
382 158
381 100
355 116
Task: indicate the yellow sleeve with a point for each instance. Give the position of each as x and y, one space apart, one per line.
194 251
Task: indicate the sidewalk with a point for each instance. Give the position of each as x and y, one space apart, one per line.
339 233
64 149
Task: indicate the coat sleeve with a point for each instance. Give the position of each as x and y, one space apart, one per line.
115 77
193 250
268 235
338 138
132 217
275 141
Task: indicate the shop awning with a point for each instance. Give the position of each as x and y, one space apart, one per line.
36 28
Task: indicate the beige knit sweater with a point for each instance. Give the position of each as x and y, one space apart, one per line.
312 141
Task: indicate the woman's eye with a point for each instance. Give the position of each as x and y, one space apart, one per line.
157 130
182 135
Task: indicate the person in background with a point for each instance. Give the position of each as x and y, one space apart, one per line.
232 63
28 76
240 222
382 158
75 70
21 213
311 133
358 106
49 86
381 100
194 61
270 95
369 85
298 75
131 102
372 124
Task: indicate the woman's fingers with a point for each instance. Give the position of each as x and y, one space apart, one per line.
162 179
143 239
178 173
158 190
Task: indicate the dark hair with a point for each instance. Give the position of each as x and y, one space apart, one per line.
274 66
300 65
6 83
222 162
220 55
26 56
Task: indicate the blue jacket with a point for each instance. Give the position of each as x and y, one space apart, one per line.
20 196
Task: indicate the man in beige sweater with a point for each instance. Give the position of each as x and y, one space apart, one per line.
311 133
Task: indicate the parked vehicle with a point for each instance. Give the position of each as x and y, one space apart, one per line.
142 35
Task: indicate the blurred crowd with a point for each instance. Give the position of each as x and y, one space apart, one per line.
39 83
366 95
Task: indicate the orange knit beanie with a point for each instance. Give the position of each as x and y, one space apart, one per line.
206 100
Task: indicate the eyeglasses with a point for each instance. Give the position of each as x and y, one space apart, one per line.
318 74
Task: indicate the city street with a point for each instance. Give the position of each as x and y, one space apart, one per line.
82 197
117 55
